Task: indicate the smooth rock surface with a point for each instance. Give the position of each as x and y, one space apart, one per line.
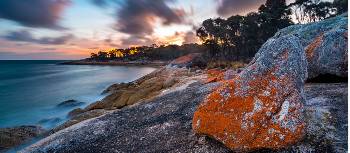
325 45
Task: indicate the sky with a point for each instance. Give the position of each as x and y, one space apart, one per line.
72 29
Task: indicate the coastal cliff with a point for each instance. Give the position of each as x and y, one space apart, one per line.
160 112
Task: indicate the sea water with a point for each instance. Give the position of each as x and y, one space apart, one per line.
31 90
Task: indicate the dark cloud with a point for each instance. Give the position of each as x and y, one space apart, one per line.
26 36
110 42
136 40
33 13
137 17
232 7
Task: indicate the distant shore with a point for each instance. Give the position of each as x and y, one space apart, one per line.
117 63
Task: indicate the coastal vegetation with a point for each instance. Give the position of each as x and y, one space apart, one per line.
236 38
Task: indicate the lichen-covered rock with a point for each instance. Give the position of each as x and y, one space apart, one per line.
325 45
261 107
164 125
193 59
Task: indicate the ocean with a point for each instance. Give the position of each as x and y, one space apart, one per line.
30 91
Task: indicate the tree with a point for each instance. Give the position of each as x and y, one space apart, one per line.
102 55
274 15
112 54
306 11
240 37
93 56
341 6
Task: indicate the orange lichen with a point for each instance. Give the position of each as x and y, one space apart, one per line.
244 121
210 80
215 75
310 49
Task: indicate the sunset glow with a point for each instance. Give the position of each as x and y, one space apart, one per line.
66 29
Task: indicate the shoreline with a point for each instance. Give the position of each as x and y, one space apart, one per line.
32 133
117 63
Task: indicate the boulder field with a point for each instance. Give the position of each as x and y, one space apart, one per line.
266 107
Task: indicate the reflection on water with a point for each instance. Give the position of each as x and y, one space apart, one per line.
31 90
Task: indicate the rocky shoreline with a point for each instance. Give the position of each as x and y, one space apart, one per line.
265 107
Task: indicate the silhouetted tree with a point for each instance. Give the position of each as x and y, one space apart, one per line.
93 56
314 10
239 37
102 55
274 15
341 6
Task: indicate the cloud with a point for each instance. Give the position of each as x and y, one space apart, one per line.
26 36
233 7
33 13
134 40
109 41
190 37
137 17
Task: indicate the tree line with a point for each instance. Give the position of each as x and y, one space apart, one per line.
147 53
237 37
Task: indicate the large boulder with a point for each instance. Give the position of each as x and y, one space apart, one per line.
261 107
325 45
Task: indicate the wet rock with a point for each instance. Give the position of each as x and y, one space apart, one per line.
11 137
50 121
325 45
70 103
262 106
116 87
75 112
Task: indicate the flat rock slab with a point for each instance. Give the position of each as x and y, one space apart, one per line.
164 125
